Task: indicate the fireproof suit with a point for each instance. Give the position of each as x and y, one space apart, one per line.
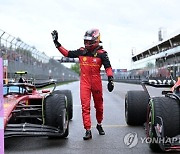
90 79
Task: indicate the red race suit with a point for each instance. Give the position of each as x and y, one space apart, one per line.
90 79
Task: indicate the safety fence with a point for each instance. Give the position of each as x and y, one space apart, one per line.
19 56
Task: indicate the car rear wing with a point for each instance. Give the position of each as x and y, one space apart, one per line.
159 82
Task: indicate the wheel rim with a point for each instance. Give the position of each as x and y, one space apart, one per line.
149 122
126 110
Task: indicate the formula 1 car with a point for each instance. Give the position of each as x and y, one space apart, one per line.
29 112
160 115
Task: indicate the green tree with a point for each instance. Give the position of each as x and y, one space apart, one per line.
75 68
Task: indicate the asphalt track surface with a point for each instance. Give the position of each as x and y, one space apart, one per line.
114 125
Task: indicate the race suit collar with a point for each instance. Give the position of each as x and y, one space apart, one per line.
94 52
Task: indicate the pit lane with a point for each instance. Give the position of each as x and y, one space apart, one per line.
114 125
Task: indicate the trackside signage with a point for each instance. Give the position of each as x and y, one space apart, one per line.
1 110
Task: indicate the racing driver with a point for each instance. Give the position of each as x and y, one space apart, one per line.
91 57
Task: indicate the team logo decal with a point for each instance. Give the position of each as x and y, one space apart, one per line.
84 59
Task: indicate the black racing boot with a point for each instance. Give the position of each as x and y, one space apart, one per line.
100 129
88 135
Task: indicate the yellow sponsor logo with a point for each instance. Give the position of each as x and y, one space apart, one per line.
6 105
84 58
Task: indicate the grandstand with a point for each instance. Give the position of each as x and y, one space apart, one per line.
19 56
162 59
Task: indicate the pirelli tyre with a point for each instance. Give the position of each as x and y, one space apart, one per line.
68 94
55 113
164 113
136 103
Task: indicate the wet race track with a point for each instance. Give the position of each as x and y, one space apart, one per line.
114 125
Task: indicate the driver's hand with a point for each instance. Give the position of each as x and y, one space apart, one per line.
54 35
110 85
55 38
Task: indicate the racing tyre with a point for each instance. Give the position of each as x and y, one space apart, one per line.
164 113
56 113
66 133
136 103
68 94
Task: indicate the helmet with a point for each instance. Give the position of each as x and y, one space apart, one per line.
92 39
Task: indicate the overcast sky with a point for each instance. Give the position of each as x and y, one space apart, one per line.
124 24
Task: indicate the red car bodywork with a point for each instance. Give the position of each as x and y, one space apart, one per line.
14 102
11 101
